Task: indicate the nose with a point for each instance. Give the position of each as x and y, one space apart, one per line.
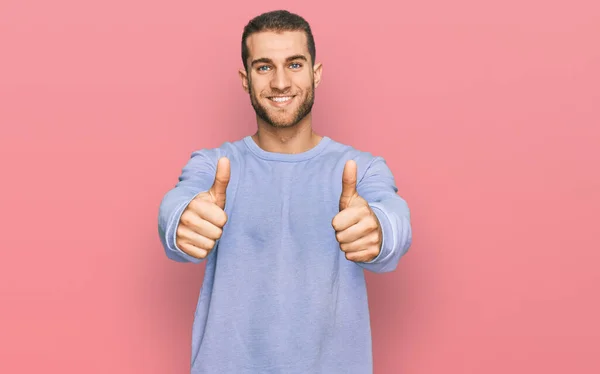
281 81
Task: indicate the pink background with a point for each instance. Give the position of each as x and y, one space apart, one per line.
487 113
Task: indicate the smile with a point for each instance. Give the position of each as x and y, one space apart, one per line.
281 99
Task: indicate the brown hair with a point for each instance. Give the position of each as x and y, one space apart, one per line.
277 20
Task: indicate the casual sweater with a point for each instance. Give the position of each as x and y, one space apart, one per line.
279 295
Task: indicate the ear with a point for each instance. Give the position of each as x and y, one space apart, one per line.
244 78
317 71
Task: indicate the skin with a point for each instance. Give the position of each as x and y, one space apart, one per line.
272 73
279 64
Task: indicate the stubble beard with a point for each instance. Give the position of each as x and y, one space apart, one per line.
267 116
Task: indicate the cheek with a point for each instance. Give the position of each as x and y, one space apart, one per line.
257 86
307 87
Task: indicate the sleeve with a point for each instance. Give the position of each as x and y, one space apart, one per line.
197 176
378 188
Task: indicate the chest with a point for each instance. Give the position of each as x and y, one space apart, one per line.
276 203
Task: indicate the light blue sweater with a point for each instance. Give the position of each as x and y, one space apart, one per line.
278 295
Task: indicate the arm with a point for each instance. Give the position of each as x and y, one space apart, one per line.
378 188
196 177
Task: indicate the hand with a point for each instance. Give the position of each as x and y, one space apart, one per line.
202 221
357 228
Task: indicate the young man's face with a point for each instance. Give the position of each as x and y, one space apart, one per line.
280 78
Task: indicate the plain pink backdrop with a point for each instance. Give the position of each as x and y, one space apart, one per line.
487 113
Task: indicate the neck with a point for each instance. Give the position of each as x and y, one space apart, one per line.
295 139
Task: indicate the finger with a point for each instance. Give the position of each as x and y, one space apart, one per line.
209 212
201 226
186 236
219 186
362 256
192 250
366 242
357 231
349 216
349 178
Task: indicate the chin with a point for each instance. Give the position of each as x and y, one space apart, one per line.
279 124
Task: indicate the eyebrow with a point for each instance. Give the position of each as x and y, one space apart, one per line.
268 60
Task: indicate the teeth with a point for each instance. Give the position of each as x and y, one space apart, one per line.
281 99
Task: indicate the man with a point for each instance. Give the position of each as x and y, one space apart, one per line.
287 221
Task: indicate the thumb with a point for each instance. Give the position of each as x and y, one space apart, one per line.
217 191
349 177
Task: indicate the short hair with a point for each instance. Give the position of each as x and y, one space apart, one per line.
278 21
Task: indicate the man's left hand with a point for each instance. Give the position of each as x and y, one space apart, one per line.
356 226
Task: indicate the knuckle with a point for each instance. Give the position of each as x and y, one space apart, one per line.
193 205
185 217
209 244
187 220
221 220
372 224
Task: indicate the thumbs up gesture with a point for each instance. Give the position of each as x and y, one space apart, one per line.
202 221
356 226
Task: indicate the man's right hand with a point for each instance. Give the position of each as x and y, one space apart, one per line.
202 221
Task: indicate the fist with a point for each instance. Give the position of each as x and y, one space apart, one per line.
202 221
356 226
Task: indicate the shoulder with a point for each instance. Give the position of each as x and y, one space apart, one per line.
366 161
373 173
230 149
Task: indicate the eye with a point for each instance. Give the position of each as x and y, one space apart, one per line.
263 68
296 65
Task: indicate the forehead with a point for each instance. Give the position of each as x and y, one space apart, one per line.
277 45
